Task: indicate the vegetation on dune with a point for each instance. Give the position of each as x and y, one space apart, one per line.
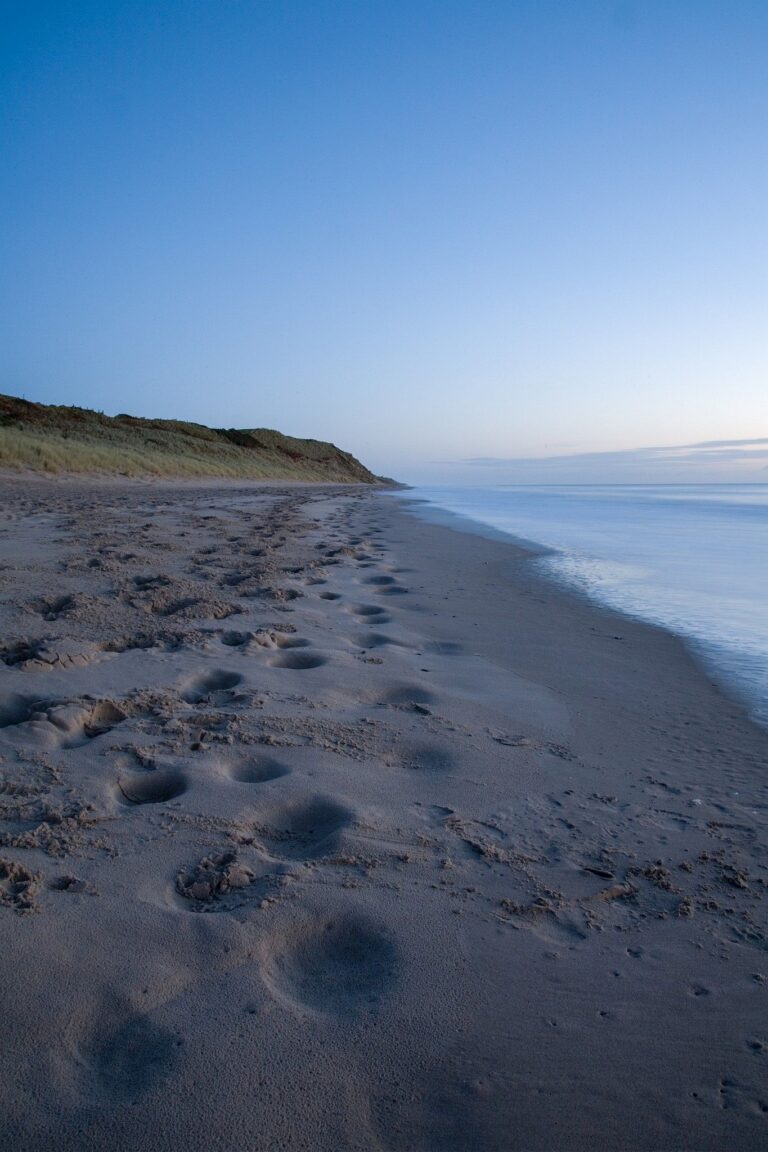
55 438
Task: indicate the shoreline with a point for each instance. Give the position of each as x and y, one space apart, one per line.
700 649
415 849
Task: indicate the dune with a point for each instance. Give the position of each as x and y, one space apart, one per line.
56 439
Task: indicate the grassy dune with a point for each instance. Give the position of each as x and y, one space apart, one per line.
51 438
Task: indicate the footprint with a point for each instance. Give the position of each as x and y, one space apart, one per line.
257 771
147 582
377 640
733 1095
213 877
44 655
66 724
443 648
156 787
299 661
284 641
100 718
141 642
236 639
18 886
17 709
54 608
162 608
382 581
306 829
236 579
426 756
330 596
20 652
132 1060
367 610
338 966
208 684
393 590
268 638
403 695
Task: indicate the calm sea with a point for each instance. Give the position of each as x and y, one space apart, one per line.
693 558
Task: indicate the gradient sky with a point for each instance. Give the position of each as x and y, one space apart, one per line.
430 232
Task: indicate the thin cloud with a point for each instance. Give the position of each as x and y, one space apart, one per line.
727 443
709 451
708 461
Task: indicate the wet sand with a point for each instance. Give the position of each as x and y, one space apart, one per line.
325 828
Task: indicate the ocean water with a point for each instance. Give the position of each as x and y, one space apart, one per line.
693 558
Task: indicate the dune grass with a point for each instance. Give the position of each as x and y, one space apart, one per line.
56 439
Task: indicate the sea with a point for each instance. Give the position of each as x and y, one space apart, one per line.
692 558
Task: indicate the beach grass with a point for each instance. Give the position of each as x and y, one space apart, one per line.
56 439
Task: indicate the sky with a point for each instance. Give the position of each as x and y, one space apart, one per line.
452 237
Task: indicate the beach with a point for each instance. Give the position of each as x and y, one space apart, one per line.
327 828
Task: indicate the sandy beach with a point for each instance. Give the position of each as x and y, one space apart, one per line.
325 828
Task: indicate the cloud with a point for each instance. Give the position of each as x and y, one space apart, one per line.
679 453
727 443
707 461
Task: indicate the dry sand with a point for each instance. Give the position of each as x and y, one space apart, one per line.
324 828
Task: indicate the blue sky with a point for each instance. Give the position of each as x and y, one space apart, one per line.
431 232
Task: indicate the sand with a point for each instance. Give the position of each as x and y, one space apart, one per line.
325 828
